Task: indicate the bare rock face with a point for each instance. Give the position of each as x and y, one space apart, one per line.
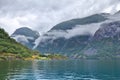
108 30
106 41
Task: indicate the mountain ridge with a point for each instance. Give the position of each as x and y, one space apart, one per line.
96 18
26 36
82 45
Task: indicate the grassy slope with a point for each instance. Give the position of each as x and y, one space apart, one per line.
12 50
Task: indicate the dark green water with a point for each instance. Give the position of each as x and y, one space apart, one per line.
60 70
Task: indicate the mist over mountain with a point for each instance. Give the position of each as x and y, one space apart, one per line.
82 37
25 36
59 39
105 43
97 18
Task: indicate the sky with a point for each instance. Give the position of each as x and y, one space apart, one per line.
42 15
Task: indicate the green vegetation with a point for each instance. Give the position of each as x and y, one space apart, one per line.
12 50
56 56
9 47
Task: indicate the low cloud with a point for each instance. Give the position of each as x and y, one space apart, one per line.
21 38
76 31
67 34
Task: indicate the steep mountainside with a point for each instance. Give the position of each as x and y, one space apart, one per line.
10 46
105 43
55 40
25 36
64 46
96 36
97 18
108 30
12 50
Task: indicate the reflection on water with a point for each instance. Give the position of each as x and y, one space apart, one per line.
60 70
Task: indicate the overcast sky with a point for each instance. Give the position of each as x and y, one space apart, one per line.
41 15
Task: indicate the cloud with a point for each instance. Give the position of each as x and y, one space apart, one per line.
76 31
67 34
21 38
42 15
88 29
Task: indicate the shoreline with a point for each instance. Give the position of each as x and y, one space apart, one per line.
12 57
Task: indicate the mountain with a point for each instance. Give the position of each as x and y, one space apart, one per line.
96 18
55 41
108 30
64 46
105 43
12 50
9 48
95 36
25 36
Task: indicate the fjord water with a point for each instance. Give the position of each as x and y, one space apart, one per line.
60 70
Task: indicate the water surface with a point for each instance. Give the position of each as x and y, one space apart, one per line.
60 70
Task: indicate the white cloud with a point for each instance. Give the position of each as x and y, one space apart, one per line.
41 15
21 38
76 31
